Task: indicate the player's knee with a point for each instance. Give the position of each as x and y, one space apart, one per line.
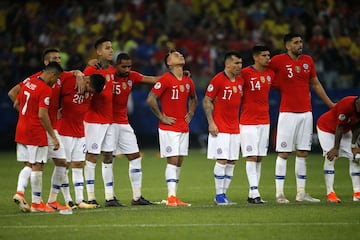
60 162
133 156
107 157
301 153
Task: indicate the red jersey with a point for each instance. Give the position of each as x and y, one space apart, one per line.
100 110
55 98
255 102
227 96
292 78
34 94
344 112
174 95
73 108
122 89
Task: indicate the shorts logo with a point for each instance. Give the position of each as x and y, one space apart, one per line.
219 151
283 144
94 146
249 148
168 149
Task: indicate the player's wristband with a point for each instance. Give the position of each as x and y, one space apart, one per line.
353 145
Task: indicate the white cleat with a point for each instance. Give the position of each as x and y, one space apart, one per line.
305 197
282 199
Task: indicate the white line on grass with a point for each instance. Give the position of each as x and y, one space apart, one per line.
171 225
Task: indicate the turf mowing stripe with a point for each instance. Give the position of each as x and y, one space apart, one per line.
182 225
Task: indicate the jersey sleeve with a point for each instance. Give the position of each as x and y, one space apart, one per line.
89 70
160 86
136 76
45 97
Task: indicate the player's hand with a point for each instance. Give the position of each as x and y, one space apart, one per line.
167 120
16 105
355 150
213 129
79 83
188 117
333 154
55 143
59 113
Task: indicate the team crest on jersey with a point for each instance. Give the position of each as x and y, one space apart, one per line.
262 79
47 101
107 77
130 83
182 88
297 69
86 95
234 89
268 78
124 86
157 85
306 67
210 88
342 117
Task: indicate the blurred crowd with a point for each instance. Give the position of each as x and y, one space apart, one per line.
201 29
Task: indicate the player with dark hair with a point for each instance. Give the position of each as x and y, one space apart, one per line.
294 74
178 100
59 174
338 131
71 130
221 104
255 117
125 139
99 137
33 102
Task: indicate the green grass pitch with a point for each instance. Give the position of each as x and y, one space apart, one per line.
203 220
